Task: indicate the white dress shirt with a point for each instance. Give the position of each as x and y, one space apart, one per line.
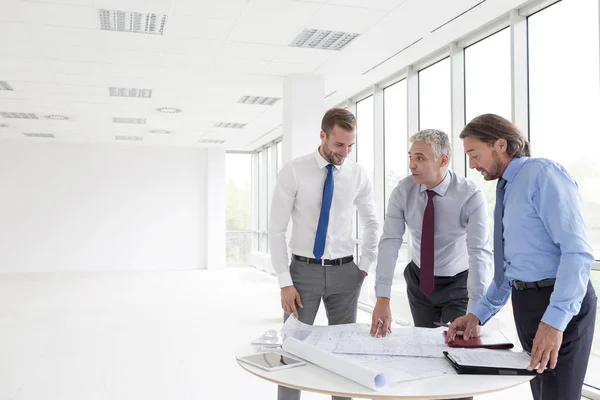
460 227
298 194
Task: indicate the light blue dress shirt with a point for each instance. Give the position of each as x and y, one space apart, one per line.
544 237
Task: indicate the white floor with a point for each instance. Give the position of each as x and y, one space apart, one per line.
127 336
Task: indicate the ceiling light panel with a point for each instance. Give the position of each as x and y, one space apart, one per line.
5 86
326 40
168 110
160 132
119 120
17 115
229 125
39 135
211 141
126 137
259 100
125 21
57 117
129 92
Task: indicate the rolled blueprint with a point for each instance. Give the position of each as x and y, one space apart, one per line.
341 365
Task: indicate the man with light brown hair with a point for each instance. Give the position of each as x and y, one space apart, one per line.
320 193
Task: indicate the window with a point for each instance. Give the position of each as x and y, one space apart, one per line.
263 208
395 136
434 97
238 208
279 156
564 101
487 90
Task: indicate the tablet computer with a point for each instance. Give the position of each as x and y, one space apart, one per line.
272 361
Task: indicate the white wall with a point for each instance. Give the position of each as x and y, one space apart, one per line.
80 207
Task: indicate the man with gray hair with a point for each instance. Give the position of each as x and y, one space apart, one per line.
447 217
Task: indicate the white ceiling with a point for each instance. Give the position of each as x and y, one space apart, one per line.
58 61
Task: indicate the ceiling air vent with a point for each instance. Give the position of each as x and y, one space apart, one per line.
260 100
130 92
119 120
326 40
229 125
39 135
211 141
125 137
5 86
18 115
125 21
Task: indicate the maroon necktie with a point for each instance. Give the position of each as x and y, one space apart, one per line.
427 248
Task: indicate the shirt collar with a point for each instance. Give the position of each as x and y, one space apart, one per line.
513 168
321 162
440 189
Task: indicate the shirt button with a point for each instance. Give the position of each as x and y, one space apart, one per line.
509 263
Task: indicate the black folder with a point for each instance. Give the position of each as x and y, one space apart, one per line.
481 370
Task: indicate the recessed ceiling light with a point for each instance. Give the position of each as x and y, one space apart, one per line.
18 115
259 100
3 126
126 137
39 135
229 125
57 117
5 86
125 21
119 120
129 92
169 110
211 141
160 131
326 40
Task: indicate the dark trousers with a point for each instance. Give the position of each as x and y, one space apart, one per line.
447 302
528 308
338 287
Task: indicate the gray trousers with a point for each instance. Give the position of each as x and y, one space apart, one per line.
447 302
338 286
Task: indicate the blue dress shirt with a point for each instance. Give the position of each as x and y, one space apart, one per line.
544 237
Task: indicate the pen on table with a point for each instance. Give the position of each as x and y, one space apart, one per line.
441 324
381 323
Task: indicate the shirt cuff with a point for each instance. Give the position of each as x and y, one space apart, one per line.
364 264
285 279
556 318
383 291
482 313
470 305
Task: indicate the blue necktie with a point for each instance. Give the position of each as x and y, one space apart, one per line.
498 231
321 235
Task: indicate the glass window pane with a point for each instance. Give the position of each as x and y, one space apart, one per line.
395 136
434 97
279 156
488 90
262 201
565 97
238 207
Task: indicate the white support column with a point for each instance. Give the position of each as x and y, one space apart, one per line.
519 72
379 168
303 109
351 106
457 83
412 120
412 101
215 208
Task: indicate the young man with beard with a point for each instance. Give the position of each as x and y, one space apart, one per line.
542 257
320 193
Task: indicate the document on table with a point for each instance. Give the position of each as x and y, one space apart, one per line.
356 339
316 344
490 358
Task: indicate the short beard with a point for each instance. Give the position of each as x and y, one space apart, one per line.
328 154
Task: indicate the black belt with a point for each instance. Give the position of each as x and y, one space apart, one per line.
325 263
520 285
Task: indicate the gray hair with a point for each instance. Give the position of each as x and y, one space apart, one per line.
439 141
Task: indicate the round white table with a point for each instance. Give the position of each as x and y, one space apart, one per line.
312 378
